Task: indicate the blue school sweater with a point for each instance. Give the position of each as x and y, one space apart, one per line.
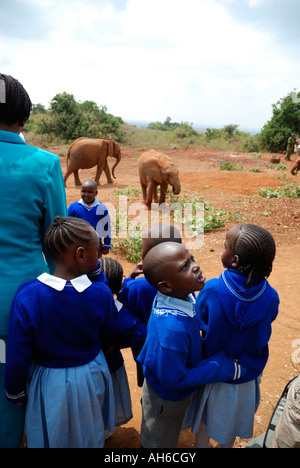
133 332
238 321
97 215
172 356
138 295
58 324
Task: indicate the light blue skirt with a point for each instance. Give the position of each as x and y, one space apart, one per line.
123 406
70 407
228 410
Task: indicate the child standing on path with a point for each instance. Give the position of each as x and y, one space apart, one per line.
235 313
94 212
56 329
172 356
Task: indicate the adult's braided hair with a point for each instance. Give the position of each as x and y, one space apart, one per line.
113 271
65 232
17 105
255 247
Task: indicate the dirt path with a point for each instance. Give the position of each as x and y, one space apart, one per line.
234 191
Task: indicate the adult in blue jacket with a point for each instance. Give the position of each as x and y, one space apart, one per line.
32 194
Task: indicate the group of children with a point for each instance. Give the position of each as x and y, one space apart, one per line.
199 356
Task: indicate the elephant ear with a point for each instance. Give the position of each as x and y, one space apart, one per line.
162 162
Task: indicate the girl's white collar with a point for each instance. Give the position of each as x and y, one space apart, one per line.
81 283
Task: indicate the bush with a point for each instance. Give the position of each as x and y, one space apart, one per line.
68 119
285 120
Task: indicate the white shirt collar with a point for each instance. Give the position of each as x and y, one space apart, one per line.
81 283
89 207
186 307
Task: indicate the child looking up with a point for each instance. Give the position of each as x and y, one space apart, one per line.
58 323
94 212
235 312
172 356
137 293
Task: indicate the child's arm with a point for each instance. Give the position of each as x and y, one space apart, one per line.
19 353
128 331
136 271
169 352
217 368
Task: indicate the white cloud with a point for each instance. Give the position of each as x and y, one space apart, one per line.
147 59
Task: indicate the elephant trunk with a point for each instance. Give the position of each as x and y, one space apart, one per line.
176 187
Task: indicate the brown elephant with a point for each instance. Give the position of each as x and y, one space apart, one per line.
85 153
157 169
296 167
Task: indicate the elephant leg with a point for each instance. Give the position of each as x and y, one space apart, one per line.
100 168
76 178
163 190
155 196
107 173
66 176
144 190
296 167
150 189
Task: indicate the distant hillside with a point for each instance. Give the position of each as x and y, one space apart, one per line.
198 127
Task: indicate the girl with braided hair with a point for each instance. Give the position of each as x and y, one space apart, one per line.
57 327
32 194
235 313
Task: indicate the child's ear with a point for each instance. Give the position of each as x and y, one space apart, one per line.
164 287
80 254
236 261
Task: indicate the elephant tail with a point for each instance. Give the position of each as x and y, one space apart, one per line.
68 158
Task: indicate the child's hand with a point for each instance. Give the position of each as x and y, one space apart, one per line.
138 269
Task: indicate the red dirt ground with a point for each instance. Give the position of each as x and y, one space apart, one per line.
236 192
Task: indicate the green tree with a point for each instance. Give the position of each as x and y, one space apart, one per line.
285 120
68 119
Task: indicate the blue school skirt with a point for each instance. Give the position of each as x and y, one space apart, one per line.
70 407
228 410
123 406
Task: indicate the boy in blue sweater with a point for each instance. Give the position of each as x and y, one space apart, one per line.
172 356
94 212
137 293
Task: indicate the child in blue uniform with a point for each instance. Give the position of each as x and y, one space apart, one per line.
57 325
137 293
94 212
172 356
134 332
235 313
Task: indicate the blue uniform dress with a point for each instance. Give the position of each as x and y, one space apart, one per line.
56 332
32 194
238 322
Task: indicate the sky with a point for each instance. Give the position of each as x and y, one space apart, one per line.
206 62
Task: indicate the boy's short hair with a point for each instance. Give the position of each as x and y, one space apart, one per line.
17 104
156 258
90 182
